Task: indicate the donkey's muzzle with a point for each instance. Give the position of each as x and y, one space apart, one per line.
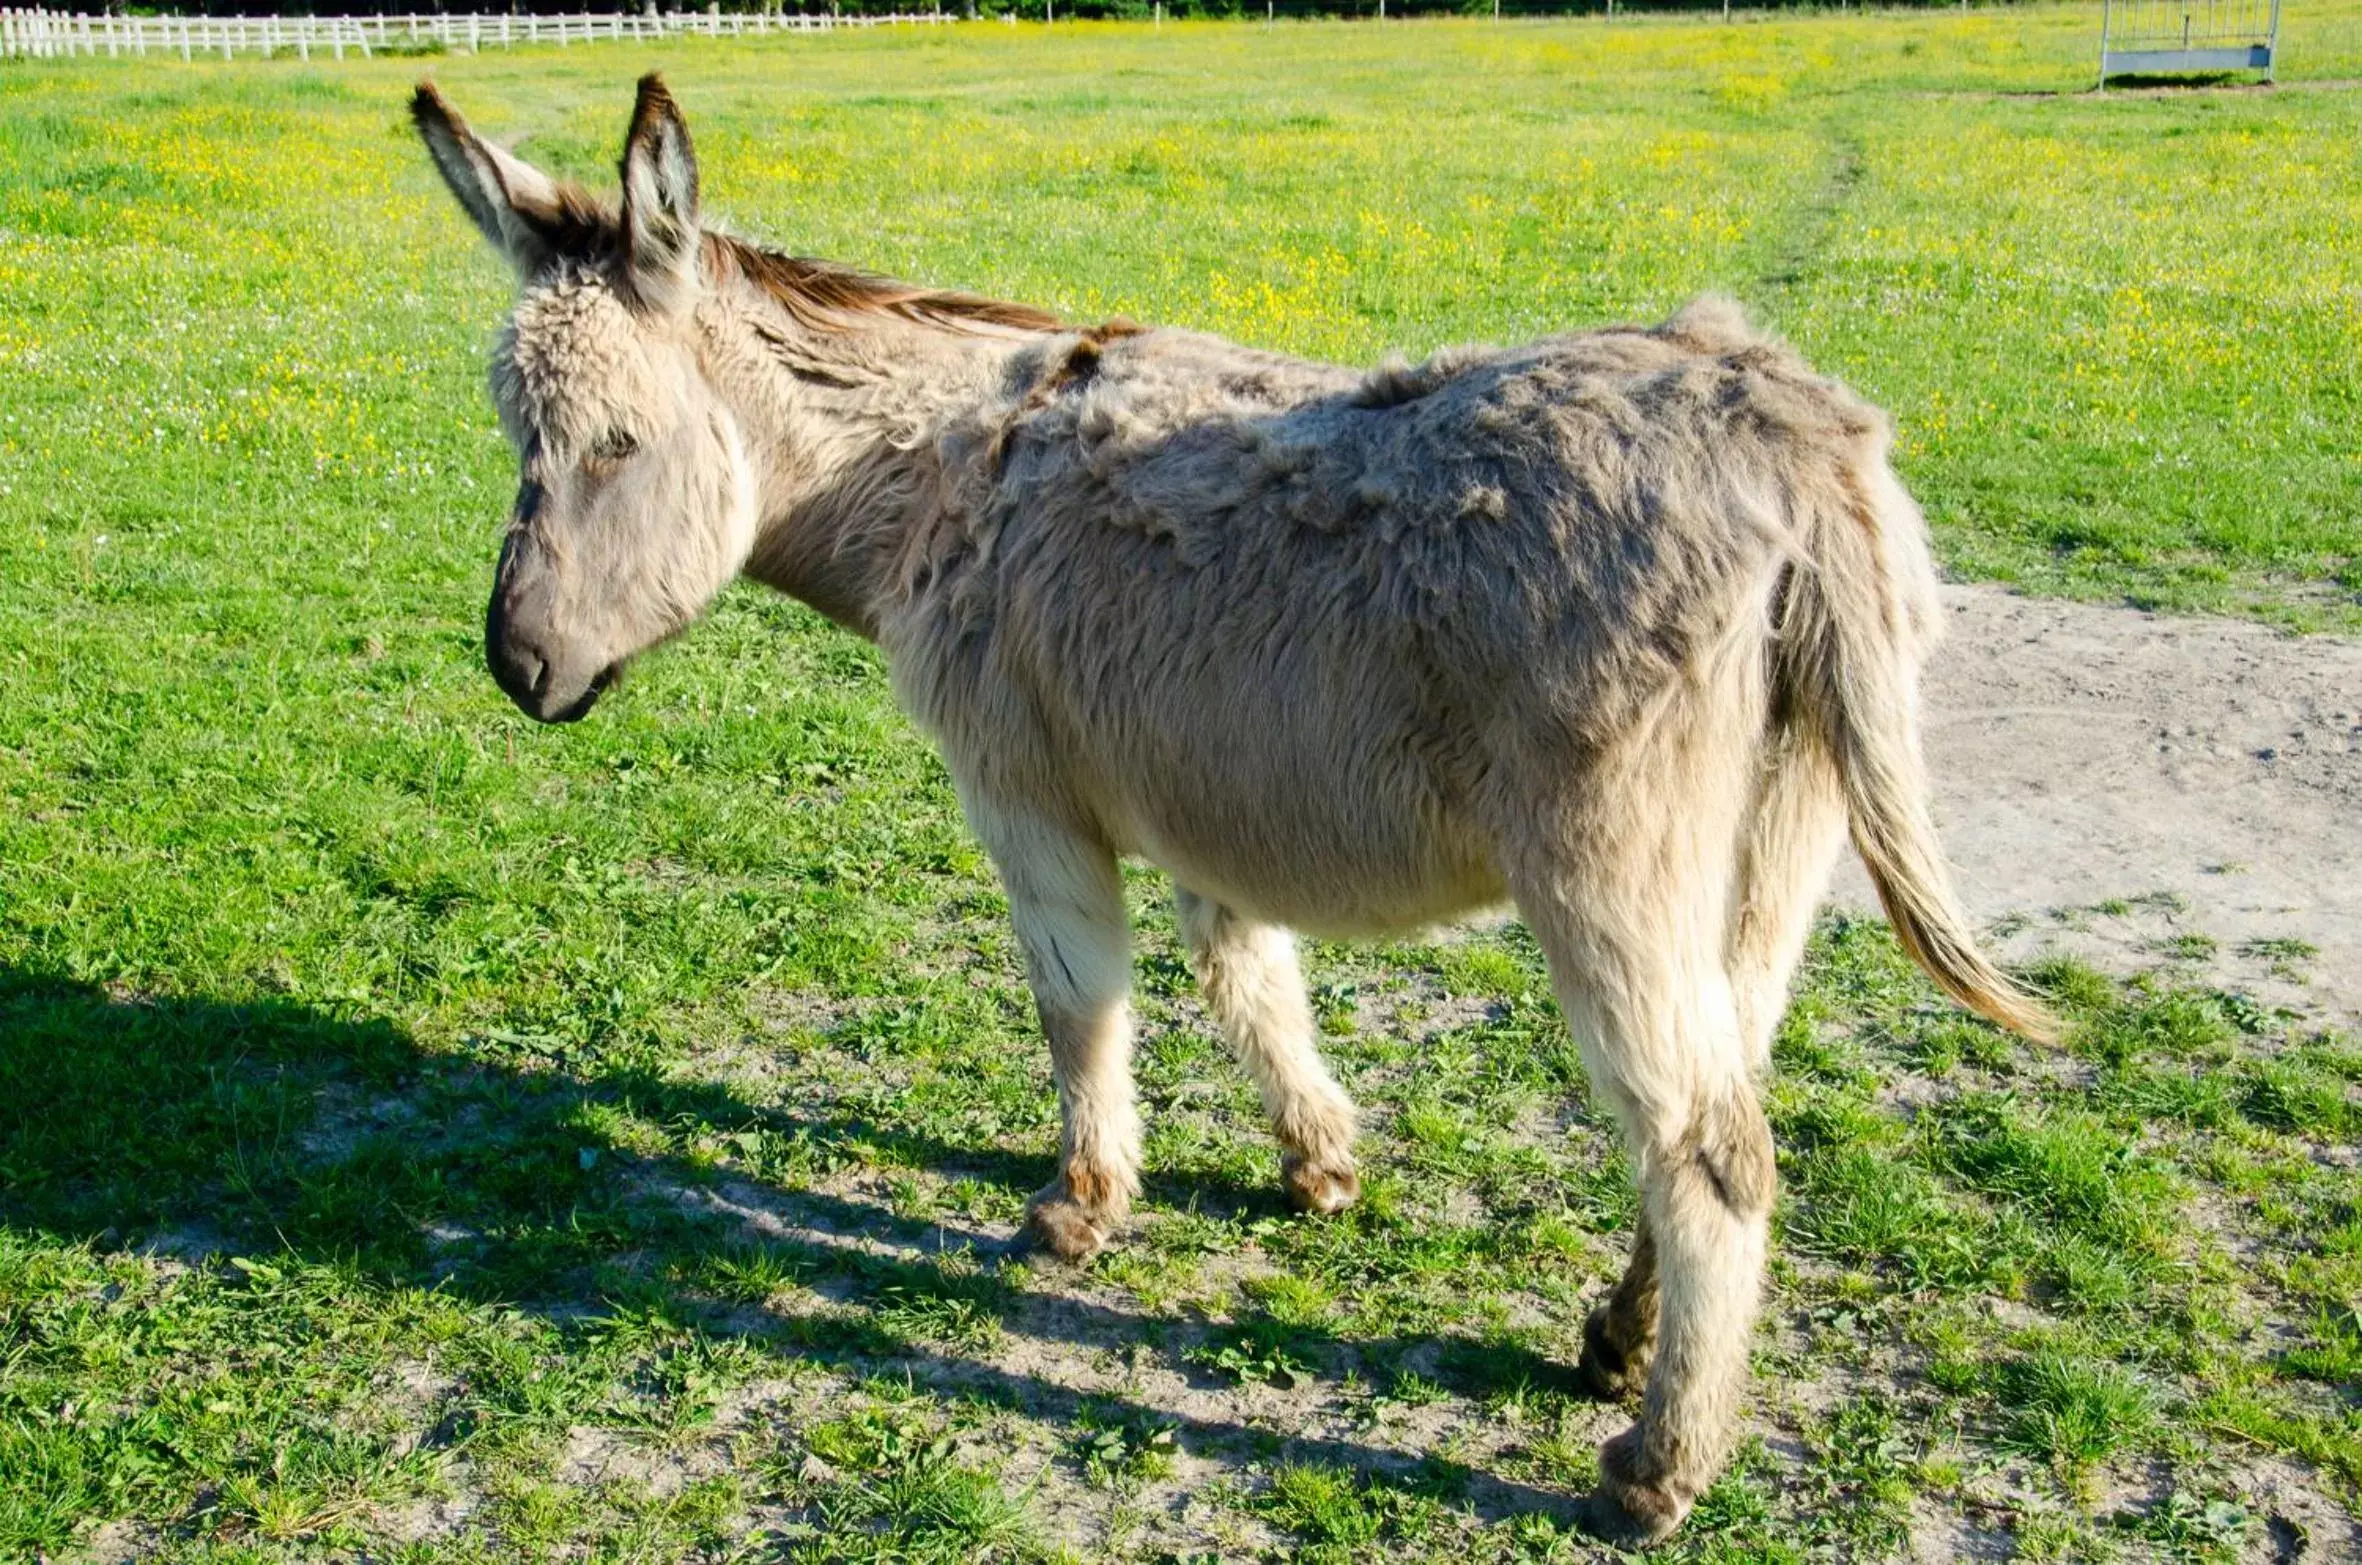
536 677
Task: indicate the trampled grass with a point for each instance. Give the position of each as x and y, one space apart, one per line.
426 1136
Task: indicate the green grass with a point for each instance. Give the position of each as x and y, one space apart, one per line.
428 1137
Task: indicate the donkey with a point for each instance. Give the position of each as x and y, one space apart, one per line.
1622 626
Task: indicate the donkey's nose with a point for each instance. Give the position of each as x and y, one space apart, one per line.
520 664
519 669
539 678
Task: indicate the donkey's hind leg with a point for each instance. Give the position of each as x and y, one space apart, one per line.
1794 822
1066 901
1620 1335
1252 985
1629 896
1794 829
1648 997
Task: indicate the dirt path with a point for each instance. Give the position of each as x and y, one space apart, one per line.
2137 785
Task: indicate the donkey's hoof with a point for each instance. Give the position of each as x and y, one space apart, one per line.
1610 1369
1625 1510
1058 1227
1319 1188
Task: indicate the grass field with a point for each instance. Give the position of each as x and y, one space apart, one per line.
427 1137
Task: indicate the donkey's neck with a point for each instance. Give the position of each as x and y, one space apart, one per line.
847 432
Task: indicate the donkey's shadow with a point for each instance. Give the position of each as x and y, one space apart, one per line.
211 1129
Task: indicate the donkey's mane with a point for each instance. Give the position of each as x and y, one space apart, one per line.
824 296
821 295
575 223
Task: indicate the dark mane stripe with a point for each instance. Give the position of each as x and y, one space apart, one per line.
824 296
580 223
821 295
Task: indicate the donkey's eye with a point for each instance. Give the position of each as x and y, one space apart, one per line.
610 448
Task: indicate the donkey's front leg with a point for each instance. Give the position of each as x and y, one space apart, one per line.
1066 900
1251 983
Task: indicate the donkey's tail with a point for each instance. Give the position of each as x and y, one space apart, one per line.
1853 620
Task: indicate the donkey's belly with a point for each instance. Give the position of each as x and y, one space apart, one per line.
1343 870
1364 912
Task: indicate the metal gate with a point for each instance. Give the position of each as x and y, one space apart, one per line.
2158 37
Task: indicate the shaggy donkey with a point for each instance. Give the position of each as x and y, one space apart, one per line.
1624 626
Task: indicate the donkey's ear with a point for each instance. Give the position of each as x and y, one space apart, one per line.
514 204
660 199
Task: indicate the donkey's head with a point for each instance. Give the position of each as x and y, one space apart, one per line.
635 504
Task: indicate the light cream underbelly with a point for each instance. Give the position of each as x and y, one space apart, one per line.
1390 886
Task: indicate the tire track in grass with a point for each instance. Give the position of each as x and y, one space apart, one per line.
1796 257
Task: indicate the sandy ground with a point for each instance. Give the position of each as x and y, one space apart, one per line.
2116 779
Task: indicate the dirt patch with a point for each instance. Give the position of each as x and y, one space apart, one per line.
2170 789
125 1540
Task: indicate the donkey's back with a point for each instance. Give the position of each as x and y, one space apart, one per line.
1320 641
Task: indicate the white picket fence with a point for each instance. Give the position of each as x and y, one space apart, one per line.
42 34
